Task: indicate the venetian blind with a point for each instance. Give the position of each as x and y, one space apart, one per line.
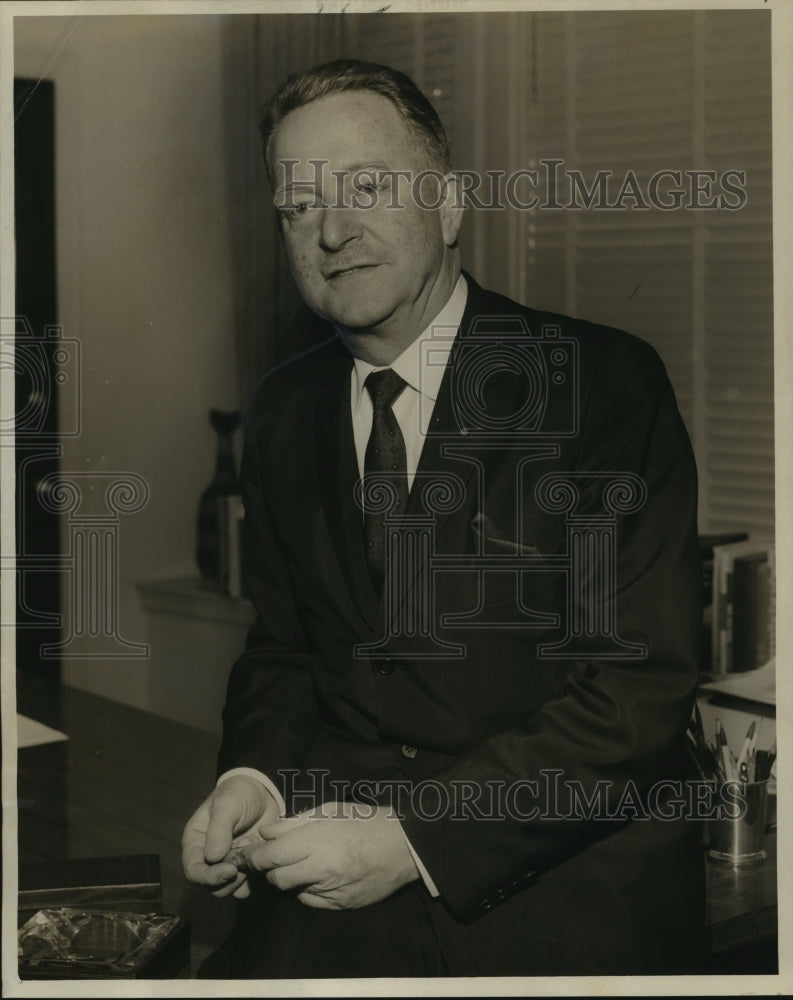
736 289
627 96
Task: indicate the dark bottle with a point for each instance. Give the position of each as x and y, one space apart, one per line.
212 547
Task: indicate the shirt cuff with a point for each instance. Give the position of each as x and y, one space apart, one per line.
425 875
251 772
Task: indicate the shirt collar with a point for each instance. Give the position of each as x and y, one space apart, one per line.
423 362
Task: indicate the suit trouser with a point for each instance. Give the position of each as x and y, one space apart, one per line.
560 926
281 938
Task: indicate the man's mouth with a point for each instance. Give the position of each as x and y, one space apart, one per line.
344 272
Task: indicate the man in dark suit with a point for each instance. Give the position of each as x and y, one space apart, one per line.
454 744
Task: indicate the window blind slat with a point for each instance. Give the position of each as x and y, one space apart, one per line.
629 83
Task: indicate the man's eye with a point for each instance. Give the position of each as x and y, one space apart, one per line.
369 185
297 210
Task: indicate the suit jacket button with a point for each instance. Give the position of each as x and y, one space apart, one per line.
385 667
486 905
409 752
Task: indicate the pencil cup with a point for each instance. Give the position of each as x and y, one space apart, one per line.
739 841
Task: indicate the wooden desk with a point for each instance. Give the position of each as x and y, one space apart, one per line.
127 781
742 903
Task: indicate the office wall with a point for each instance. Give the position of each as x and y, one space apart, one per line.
143 284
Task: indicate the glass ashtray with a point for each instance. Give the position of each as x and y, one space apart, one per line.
111 941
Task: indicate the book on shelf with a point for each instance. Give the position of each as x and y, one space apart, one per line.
742 606
750 603
706 545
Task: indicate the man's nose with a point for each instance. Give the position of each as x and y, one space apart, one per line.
340 225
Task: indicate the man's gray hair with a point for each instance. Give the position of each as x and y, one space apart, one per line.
343 75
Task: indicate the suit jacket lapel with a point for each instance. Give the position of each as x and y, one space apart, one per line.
449 432
337 467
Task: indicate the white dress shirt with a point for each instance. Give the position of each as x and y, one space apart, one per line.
421 365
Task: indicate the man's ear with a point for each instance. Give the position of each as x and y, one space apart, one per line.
451 209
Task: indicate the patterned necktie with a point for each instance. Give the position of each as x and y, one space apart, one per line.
386 460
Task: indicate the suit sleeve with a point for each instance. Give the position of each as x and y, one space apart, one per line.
618 726
270 715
